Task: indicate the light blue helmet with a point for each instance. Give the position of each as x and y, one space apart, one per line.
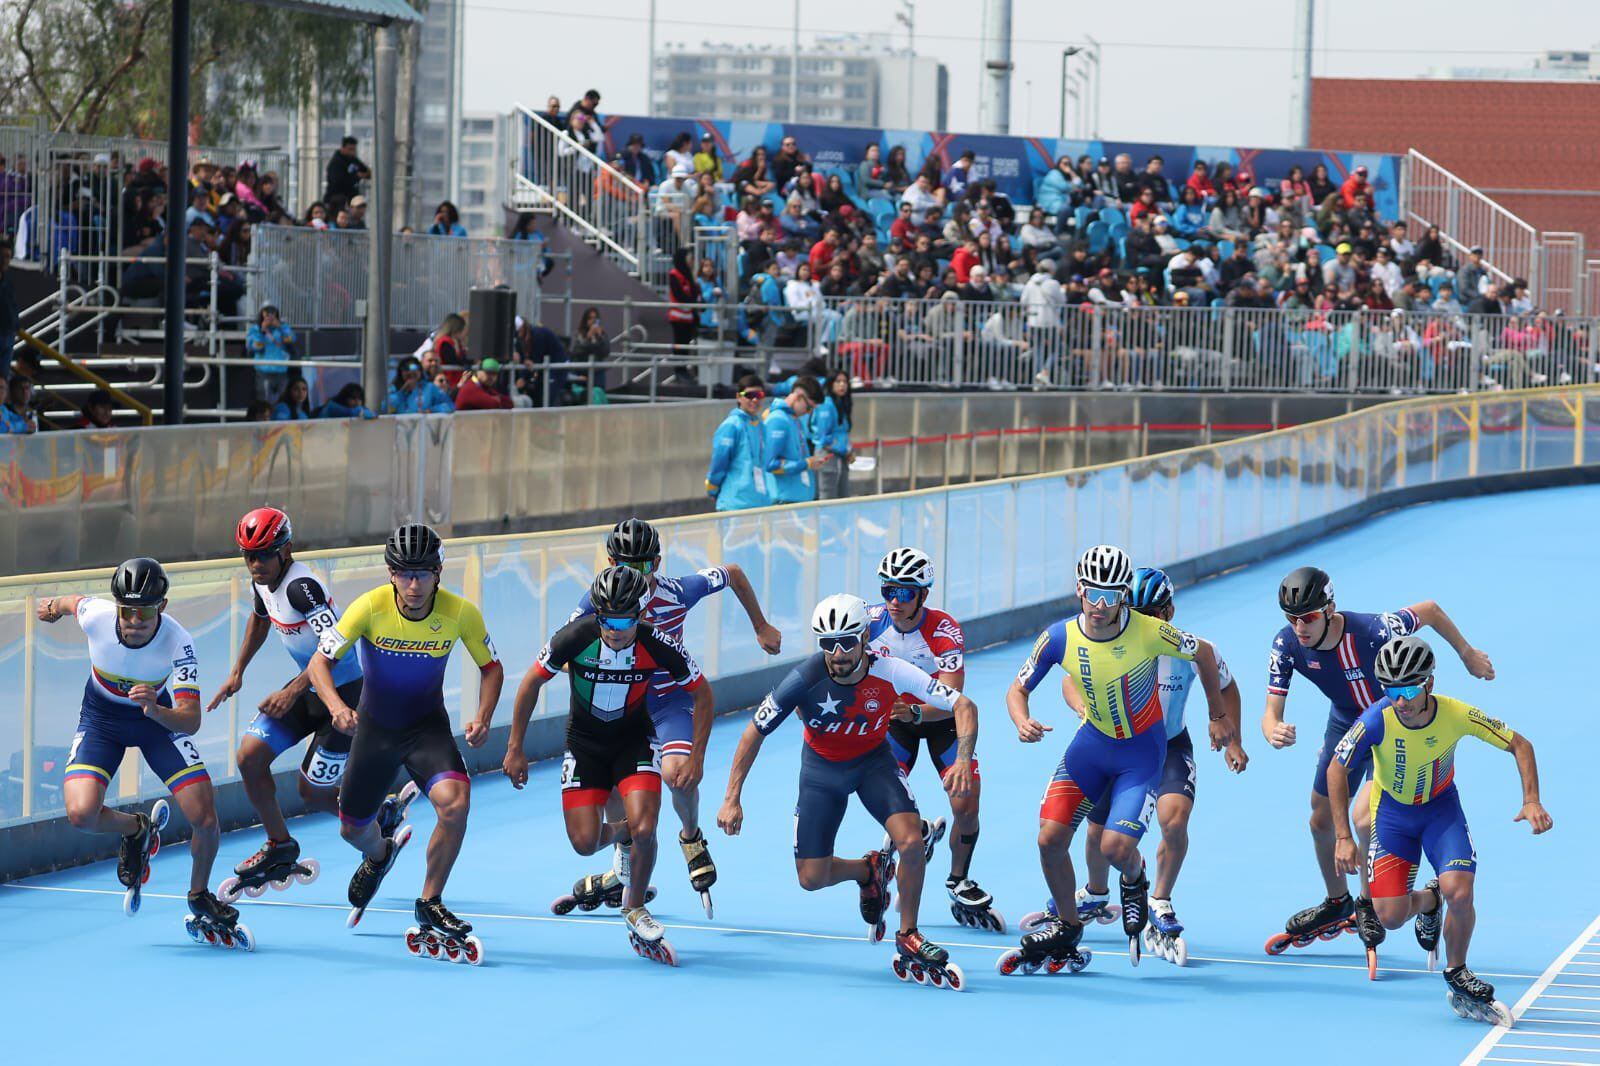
1152 590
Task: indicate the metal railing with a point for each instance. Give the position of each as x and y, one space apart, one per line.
1591 286
553 172
1562 271
1467 218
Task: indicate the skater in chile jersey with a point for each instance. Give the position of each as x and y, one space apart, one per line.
1410 736
143 692
845 696
635 544
404 632
291 599
611 659
1115 759
1335 651
905 627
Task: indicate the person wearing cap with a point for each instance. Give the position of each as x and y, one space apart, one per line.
1354 188
411 393
1341 273
672 199
636 162
357 214
737 477
345 172
707 161
480 390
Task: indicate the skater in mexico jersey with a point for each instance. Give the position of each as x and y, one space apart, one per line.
612 659
1335 651
845 696
635 544
1410 735
1115 759
291 599
143 692
404 632
905 627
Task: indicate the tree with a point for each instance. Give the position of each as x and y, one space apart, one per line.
100 66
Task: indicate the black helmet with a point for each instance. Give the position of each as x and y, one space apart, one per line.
1404 661
139 583
633 540
619 590
413 546
1305 590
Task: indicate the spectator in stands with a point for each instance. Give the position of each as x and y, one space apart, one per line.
1200 182
673 200
983 223
824 251
707 163
1104 181
789 156
97 411
349 402
977 289
869 257
1036 234
200 208
1386 270
901 284
411 393
1488 302
450 342
258 411
802 183
481 391
346 172
234 247
797 224
589 107
964 259
447 221
895 172
636 162
539 349
1258 216
16 416
292 405
871 174
683 292
1189 217
1319 186
960 176
358 213
1058 190
1125 180
1144 251
1376 297
590 344
922 196
737 477
244 189
553 114
1227 218
1341 273
1430 249
754 177
271 343
1144 205
1295 191
317 215
1156 181
9 318
1354 188
680 153
834 198
584 131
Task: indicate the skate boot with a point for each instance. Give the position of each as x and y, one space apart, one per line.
1428 925
439 934
1135 911
971 906
702 871
392 812
1325 921
593 891
932 833
276 864
213 922
921 960
1164 935
875 894
649 937
1051 948
1472 997
135 852
1371 932
369 875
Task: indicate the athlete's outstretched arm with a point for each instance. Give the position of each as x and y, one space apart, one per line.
1205 662
1432 615
1346 859
958 782
1029 729
767 635
1533 811
55 608
1233 752
731 816
515 765
256 628
491 679
1279 734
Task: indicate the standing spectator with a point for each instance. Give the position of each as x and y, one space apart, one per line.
783 164
788 452
411 393
590 343
707 162
589 107
1473 278
1354 188
447 221
349 402
737 477
346 172
684 293
553 114
753 177
480 390
830 435
9 320
583 131
357 214
271 342
292 405
540 352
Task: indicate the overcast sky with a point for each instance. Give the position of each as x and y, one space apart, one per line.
1174 70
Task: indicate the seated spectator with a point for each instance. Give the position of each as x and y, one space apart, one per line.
869 257
1144 251
834 198
1431 249
450 343
411 393
1473 277
1189 217
921 196
1376 297
680 153
244 189
904 226
790 255
1156 181
234 247
447 221
1487 302
1058 190
1294 192
17 414
788 158
1200 182
258 411
823 252
317 216
1037 235
964 259
1104 182
803 184
539 349
673 198
1125 180
1144 205
960 176
753 177
1258 215
481 391
797 224
1386 270
1227 218
200 208
1235 268
1162 229
1520 301
1354 188
872 179
349 402
984 222
1341 273
977 287
356 216
636 162
707 162
271 343
895 172
1320 186
292 405
97 411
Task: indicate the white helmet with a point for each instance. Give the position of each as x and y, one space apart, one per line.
907 566
1106 566
840 615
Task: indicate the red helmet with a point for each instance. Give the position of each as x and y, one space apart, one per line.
264 529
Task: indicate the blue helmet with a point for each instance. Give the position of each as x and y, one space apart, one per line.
1152 589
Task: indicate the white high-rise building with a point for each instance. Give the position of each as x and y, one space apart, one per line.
485 145
1579 64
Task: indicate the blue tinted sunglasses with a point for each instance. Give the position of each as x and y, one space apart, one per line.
617 623
838 643
1102 597
1403 692
899 593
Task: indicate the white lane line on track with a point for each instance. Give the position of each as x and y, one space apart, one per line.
702 927
1561 961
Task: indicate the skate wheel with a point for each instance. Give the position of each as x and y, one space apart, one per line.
1278 943
563 905
229 890
1081 963
192 929
1433 959
1372 964
1180 952
1457 1005
1133 950
876 931
705 901
1031 968
1497 1013
1330 934
282 885
210 934
309 871
243 938
669 954
997 922
144 878
353 919
1055 966
225 938
1033 920
402 836
955 978
257 891
431 945
472 951
130 902
587 905
1008 962
450 949
160 815
918 974
935 978
1110 913
899 966
414 941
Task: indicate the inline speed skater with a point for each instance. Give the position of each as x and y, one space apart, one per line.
1410 736
612 658
845 695
144 692
1335 650
289 597
404 632
1115 758
904 626
635 544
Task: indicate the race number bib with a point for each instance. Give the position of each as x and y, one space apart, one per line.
326 768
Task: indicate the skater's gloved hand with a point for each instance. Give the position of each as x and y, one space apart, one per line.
1536 816
731 817
769 638
1279 734
1346 859
1235 757
277 704
344 718
232 685
958 782
516 767
1031 730
1478 664
145 697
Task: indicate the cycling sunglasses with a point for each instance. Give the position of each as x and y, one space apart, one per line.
643 566
617 623
899 593
261 555
1403 692
413 575
1101 597
130 613
1304 619
832 644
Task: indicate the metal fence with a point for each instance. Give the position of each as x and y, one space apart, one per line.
1165 510
1563 274
1466 218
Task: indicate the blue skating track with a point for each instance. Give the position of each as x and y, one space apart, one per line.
783 975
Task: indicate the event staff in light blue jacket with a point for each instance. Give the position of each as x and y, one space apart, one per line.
790 462
737 477
830 435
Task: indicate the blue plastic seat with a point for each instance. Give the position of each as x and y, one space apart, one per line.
1080 219
1112 214
1099 237
1225 248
